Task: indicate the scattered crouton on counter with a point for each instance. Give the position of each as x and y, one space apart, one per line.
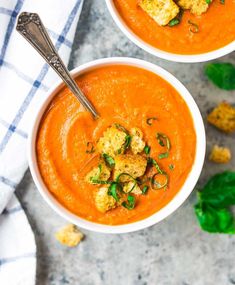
137 143
103 201
162 11
101 172
69 235
112 141
132 164
196 7
223 117
220 154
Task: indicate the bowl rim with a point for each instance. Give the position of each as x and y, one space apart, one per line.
178 199
187 58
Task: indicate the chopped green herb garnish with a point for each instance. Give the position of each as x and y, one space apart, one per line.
97 181
147 149
130 203
129 176
90 147
177 19
222 2
145 189
193 27
163 140
127 142
152 161
208 2
149 121
156 184
171 166
221 74
174 22
109 160
121 128
113 190
212 209
163 155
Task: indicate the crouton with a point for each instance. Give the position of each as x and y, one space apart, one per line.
103 201
223 117
196 7
137 143
162 11
112 141
132 164
128 186
220 154
101 172
69 235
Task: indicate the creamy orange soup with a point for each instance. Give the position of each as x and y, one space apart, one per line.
216 28
124 95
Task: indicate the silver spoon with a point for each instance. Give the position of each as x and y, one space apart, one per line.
30 26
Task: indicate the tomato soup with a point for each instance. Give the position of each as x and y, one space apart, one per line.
127 96
216 28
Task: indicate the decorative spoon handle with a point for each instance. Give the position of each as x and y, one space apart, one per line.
32 29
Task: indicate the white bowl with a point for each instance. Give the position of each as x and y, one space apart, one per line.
180 197
161 53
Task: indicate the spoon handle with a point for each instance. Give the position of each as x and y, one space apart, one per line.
32 29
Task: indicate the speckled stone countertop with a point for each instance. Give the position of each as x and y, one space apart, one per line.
174 252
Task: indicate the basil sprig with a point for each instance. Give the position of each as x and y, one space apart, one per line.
130 203
221 74
212 209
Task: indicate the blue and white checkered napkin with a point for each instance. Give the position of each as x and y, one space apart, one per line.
24 81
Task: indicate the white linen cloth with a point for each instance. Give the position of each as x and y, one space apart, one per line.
24 81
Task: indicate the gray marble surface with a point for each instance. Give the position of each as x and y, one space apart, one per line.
174 252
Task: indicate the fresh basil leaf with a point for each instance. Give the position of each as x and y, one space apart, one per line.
171 166
174 22
221 74
145 189
163 155
109 160
214 220
147 149
113 190
127 142
130 203
219 191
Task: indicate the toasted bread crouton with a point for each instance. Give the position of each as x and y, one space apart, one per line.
69 235
112 141
196 7
131 186
101 172
103 201
132 164
223 117
162 11
137 143
220 154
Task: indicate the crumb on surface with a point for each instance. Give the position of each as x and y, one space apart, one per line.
220 154
69 235
161 11
223 117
